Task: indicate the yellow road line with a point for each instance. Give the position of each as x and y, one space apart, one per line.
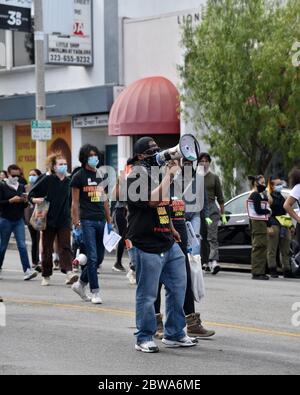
70 307
131 314
254 330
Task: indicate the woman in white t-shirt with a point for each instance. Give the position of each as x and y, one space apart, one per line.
294 178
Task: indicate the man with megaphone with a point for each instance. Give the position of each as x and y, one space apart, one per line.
151 242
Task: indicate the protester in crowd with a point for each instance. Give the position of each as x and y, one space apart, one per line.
193 320
55 188
260 227
280 238
13 201
292 202
214 191
152 249
34 175
90 213
3 175
120 219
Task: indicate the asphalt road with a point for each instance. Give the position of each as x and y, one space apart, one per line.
50 331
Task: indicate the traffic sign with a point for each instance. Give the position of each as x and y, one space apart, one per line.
41 130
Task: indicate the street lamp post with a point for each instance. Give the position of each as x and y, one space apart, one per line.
40 102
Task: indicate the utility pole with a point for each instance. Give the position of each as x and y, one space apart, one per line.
40 102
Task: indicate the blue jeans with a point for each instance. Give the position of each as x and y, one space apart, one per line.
92 232
151 269
195 220
8 227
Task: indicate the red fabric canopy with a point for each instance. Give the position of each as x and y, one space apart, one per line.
148 106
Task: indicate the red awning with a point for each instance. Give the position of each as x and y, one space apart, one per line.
148 106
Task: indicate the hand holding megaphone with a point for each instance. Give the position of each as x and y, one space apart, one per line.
188 148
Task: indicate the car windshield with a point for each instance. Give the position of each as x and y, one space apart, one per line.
237 206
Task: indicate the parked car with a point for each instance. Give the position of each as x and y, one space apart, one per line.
235 237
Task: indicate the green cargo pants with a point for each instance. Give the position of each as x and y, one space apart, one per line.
283 243
259 247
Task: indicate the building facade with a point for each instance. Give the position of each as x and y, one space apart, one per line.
132 39
79 98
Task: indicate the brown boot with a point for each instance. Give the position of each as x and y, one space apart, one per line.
195 328
160 327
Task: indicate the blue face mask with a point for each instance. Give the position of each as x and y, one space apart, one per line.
33 179
278 188
93 162
62 169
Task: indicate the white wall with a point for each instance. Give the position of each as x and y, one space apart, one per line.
9 141
151 47
62 78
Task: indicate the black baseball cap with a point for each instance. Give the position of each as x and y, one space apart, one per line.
142 145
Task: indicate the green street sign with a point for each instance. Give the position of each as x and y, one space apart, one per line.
41 130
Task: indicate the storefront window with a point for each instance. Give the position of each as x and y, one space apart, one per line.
23 49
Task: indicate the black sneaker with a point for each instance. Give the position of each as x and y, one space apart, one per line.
118 267
205 267
261 277
37 268
273 273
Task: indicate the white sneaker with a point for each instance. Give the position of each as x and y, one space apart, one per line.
45 282
149 347
80 290
214 267
96 298
131 277
30 274
186 341
71 278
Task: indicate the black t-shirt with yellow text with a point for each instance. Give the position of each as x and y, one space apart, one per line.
92 195
149 228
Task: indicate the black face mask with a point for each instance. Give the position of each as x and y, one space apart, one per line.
261 188
151 159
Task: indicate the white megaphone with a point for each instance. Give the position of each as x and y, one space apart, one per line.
188 148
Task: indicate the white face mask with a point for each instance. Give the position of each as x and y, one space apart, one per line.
13 180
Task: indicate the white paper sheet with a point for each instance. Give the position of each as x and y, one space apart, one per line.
110 240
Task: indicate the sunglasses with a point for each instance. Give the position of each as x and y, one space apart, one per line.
152 151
